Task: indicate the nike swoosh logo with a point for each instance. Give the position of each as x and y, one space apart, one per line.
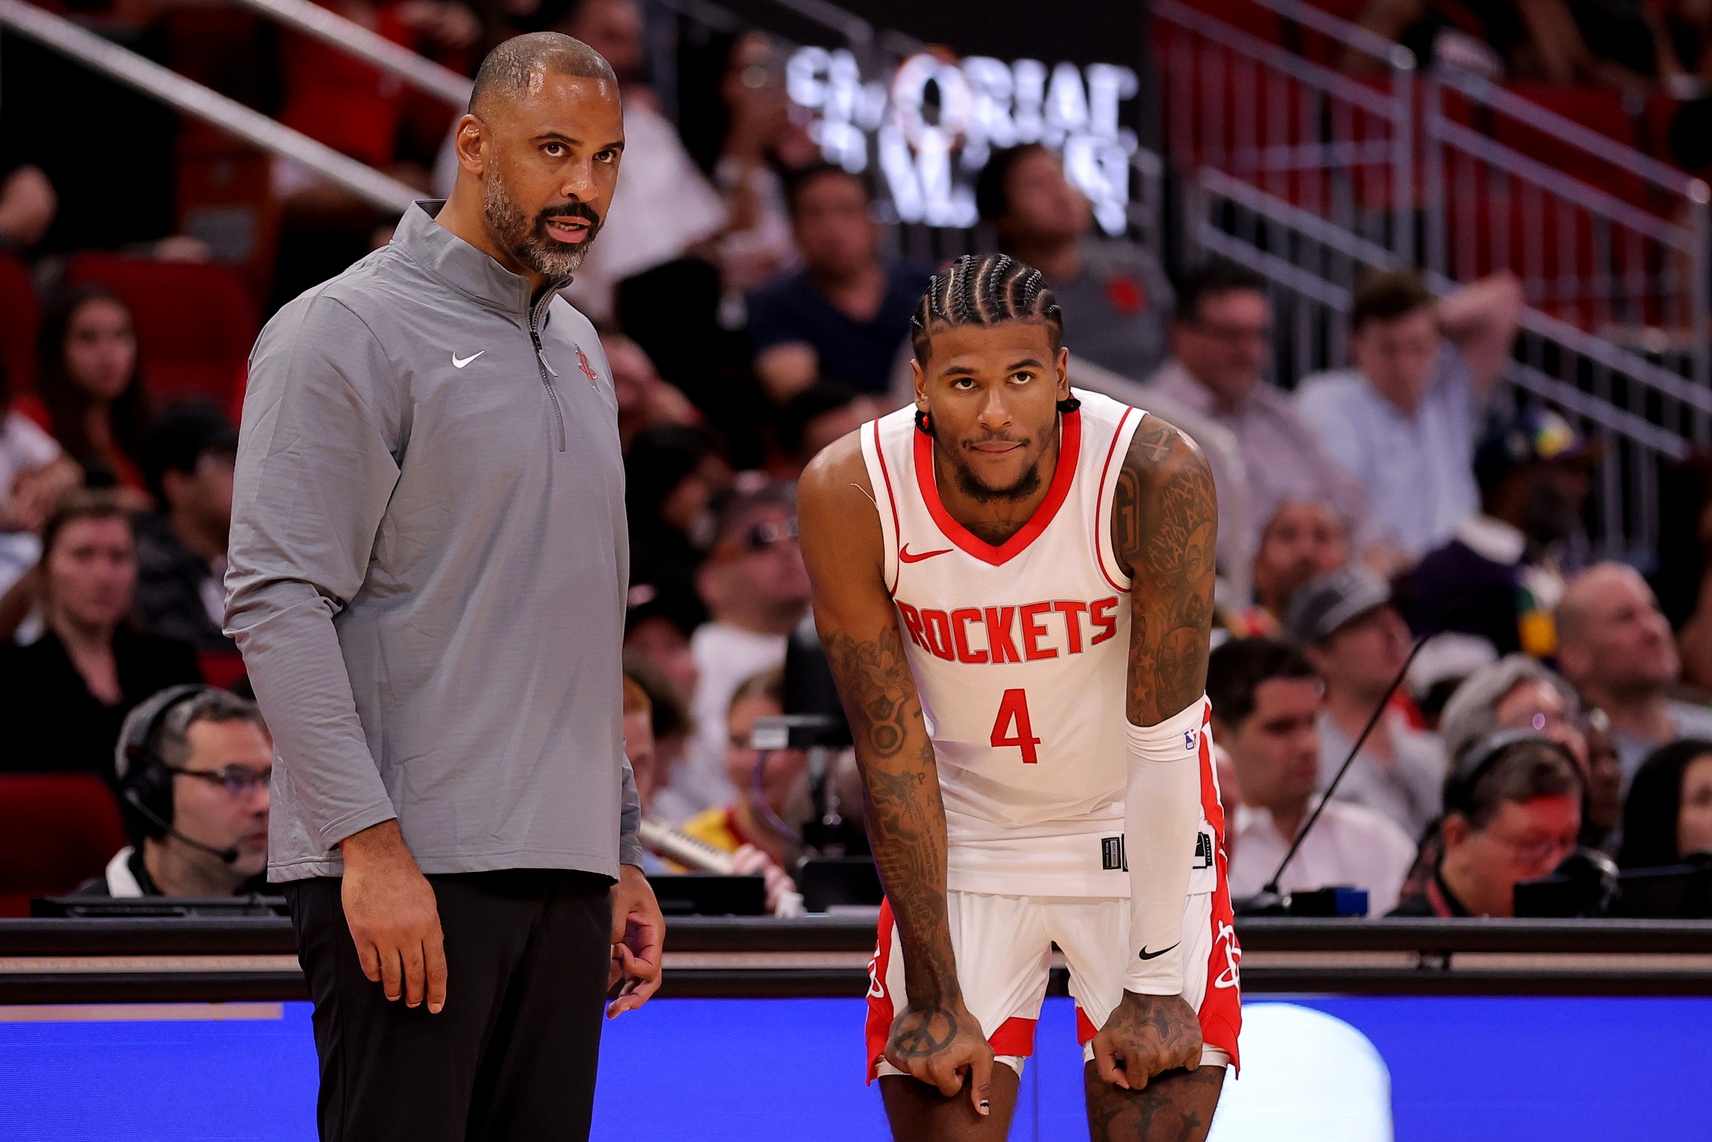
457 364
1147 955
905 556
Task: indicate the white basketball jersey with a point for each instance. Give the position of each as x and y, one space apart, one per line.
1020 654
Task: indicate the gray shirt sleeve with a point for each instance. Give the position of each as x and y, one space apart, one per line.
316 467
629 819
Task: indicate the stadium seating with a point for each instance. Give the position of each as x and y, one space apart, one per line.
18 316
56 831
195 322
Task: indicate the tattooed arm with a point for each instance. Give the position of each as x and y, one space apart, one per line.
934 1038
1164 528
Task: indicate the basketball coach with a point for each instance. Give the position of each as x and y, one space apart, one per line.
427 580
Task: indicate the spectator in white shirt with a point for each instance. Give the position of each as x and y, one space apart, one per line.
756 589
1266 702
1404 418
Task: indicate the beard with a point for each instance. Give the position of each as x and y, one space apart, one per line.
971 486
527 238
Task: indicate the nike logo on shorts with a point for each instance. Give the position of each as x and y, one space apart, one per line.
458 364
905 556
1147 955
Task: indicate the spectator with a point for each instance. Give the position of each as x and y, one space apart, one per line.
1301 542
1115 296
64 697
34 473
1266 701
817 416
657 630
846 313
1403 419
1500 577
27 201
644 400
1602 817
756 588
639 747
664 207
668 726
91 388
672 474
759 135
181 553
1519 693
1668 817
1683 564
1512 812
193 765
1616 648
754 827
1514 693
1221 340
1357 641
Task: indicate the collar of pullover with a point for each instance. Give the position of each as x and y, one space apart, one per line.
462 266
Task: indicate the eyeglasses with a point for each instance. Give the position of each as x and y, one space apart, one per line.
237 780
1537 851
767 534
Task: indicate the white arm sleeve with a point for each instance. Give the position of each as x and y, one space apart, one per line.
1162 814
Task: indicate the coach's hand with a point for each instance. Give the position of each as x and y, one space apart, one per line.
394 917
937 1045
638 934
1147 1035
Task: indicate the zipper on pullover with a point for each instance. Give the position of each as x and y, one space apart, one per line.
547 374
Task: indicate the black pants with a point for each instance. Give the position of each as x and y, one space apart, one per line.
511 1057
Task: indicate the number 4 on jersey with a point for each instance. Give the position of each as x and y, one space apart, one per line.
1013 714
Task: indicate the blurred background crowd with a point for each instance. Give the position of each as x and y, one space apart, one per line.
754 305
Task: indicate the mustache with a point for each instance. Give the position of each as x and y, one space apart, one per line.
995 438
569 210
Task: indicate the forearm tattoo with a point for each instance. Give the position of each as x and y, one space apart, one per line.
1165 530
905 815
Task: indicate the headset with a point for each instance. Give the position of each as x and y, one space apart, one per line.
1479 758
145 782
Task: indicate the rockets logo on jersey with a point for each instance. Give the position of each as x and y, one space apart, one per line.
1033 632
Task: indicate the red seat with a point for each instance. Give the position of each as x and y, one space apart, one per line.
19 315
195 322
56 831
1599 110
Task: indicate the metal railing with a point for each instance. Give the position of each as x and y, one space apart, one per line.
1300 130
1618 248
1637 408
348 36
192 98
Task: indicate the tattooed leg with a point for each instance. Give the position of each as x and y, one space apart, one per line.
1176 1106
919 1113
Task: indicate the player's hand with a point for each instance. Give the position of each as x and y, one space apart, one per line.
638 935
394 917
1147 1035
939 1046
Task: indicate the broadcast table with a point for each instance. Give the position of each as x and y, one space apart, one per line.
1407 1029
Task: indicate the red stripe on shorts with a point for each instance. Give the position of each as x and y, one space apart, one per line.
880 1012
1221 1006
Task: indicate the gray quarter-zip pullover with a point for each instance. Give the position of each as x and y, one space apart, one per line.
428 567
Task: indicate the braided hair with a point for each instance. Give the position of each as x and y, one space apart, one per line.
984 289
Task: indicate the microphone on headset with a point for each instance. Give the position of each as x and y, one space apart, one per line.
229 855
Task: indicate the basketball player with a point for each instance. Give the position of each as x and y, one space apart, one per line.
1014 587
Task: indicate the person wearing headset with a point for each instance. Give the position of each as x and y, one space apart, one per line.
193 764
1512 812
